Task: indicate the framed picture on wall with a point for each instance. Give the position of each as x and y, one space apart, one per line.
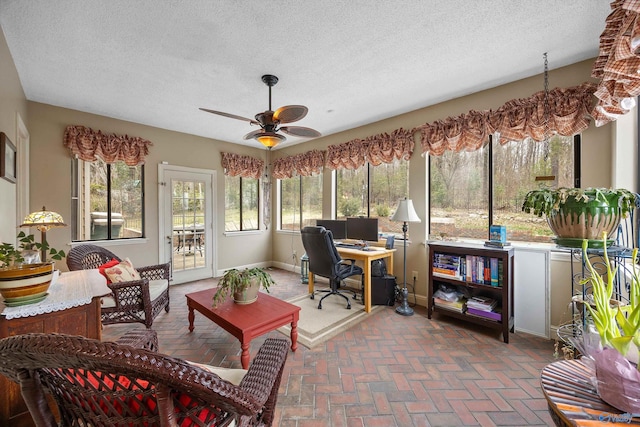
8 159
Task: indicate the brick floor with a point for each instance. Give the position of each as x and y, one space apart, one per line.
388 370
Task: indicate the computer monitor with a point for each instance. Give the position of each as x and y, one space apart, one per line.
338 228
362 229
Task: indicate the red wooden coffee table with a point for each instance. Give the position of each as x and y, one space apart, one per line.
246 322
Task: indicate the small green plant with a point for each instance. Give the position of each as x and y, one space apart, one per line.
350 207
383 211
546 200
235 280
10 255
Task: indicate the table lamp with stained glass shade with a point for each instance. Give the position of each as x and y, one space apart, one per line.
405 213
43 220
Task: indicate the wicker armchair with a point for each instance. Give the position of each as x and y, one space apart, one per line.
135 301
98 383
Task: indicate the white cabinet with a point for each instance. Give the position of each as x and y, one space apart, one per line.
532 290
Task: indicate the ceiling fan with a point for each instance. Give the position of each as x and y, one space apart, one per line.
270 121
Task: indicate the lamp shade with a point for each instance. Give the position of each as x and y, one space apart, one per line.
405 212
43 220
269 139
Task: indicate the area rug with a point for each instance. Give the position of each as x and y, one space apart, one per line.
316 326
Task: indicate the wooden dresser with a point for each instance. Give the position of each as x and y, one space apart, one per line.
81 320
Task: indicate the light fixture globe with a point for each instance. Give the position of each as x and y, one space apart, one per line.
269 139
43 220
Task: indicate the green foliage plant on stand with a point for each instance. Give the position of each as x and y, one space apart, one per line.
574 214
11 256
236 282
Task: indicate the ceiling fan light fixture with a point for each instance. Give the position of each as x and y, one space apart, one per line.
269 139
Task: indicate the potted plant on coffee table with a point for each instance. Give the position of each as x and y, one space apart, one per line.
243 285
575 214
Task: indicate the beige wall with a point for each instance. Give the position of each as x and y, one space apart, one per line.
12 104
51 182
50 166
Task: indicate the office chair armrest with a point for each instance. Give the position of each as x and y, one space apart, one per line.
351 261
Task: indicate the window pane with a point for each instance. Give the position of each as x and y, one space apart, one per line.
126 200
99 186
250 199
516 165
289 204
352 192
458 197
311 199
389 184
231 203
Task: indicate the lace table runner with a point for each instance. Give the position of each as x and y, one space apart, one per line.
70 289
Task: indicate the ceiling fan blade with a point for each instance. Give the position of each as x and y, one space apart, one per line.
300 131
290 113
231 116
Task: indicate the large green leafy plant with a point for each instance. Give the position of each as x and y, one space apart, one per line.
617 325
546 200
10 255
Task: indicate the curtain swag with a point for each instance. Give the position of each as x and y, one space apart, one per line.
618 63
303 164
244 166
89 145
514 121
381 148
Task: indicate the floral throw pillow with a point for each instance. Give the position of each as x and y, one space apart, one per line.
123 272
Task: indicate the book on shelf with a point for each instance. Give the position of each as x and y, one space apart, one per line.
493 315
496 244
482 303
457 306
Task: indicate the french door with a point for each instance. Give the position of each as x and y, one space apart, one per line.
186 222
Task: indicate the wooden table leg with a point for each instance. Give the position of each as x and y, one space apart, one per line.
367 286
294 331
192 317
310 283
244 358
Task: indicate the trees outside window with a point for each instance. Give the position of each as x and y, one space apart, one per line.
107 200
468 191
300 201
241 203
373 191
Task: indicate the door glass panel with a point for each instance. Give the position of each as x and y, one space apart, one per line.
187 213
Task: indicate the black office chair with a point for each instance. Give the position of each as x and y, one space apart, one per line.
325 261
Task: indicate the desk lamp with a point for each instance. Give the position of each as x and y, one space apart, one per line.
405 213
43 220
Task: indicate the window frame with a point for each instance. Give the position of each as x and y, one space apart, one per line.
240 207
77 199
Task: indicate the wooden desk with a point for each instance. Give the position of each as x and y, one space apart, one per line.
83 320
574 401
366 257
245 322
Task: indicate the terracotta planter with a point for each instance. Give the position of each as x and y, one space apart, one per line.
249 294
25 284
576 220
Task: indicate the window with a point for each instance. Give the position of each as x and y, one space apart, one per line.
373 191
468 191
300 201
241 203
107 200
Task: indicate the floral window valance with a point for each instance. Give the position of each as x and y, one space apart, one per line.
89 145
382 148
516 120
303 164
618 64
244 166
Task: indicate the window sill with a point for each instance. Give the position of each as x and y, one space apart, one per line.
116 242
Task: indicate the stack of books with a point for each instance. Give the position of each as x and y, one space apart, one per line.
448 266
484 307
458 306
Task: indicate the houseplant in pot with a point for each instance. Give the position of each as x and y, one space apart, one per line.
575 214
612 337
25 283
243 285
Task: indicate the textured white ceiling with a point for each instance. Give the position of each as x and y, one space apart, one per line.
351 62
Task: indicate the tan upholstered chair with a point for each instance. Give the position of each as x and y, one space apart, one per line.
134 301
98 383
